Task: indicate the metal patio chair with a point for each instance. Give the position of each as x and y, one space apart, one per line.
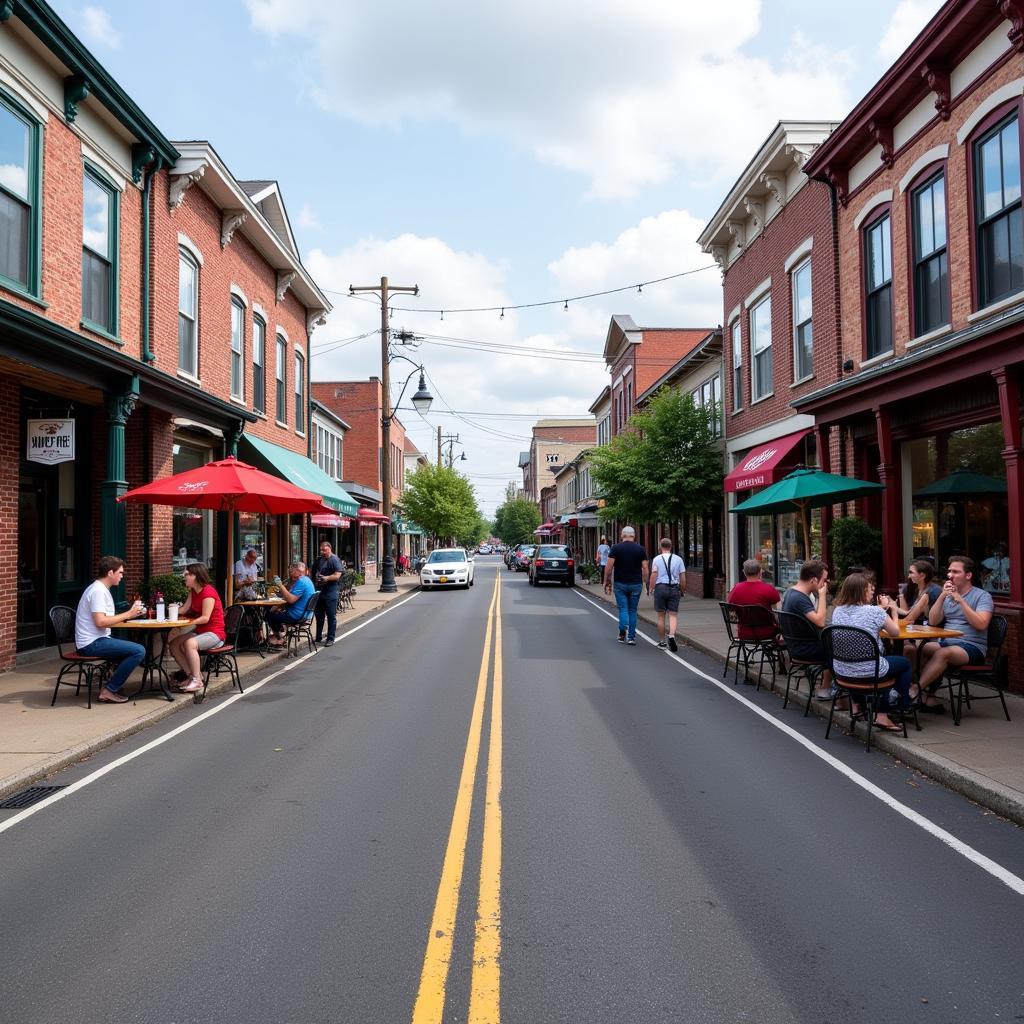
223 657
303 629
993 675
87 669
797 631
755 617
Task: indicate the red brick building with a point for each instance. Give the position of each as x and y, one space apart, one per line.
926 174
553 443
774 240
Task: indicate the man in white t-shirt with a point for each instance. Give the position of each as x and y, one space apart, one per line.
93 620
247 571
667 580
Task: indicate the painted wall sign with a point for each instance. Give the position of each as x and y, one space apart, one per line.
50 441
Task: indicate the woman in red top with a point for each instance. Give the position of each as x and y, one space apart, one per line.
203 606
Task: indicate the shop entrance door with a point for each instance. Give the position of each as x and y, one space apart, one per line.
34 569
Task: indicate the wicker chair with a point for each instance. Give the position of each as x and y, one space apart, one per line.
86 669
992 675
223 657
796 632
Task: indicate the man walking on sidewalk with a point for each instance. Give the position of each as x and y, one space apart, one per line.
627 565
668 578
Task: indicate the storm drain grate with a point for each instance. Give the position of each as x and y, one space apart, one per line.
28 797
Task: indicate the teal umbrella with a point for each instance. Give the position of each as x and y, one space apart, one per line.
802 490
962 485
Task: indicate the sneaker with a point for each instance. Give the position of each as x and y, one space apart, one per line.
328 643
622 638
672 645
662 643
192 686
631 641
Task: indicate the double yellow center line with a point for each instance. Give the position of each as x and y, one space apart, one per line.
485 984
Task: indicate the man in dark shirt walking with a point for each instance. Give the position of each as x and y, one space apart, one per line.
327 571
627 565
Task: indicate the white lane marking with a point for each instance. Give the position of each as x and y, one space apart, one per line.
1012 881
191 723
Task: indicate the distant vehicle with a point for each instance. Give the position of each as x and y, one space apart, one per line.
522 556
501 549
552 563
447 567
484 549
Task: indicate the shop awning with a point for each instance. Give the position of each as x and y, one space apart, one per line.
299 470
407 527
338 522
763 465
369 517
587 519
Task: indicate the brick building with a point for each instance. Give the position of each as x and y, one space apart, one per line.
926 173
773 238
553 443
97 313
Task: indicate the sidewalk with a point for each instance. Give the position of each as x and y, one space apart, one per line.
983 758
37 740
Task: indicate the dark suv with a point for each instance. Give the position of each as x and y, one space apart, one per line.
552 563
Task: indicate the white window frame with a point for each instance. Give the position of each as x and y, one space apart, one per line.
797 324
237 348
736 335
259 396
187 256
757 352
281 378
300 391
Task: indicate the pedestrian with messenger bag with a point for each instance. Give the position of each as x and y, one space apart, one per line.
667 582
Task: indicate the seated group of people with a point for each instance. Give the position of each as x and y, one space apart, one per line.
958 604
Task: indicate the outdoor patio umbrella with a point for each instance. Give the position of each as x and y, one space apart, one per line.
962 485
802 490
228 486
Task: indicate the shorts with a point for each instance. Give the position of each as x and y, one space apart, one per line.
204 641
666 597
975 654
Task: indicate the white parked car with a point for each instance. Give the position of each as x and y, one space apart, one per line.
484 549
447 567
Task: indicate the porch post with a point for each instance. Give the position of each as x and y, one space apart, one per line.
821 437
892 499
1007 382
112 513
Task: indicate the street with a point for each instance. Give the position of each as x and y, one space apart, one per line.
477 806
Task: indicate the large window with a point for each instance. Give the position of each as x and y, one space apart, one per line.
737 366
19 197
282 360
803 336
188 313
709 396
998 212
931 264
192 528
761 349
878 280
300 393
259 363
328 452
99 253
237 349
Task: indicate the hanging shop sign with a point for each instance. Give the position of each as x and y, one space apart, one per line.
50 441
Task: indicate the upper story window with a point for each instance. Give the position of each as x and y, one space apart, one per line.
20 206
99 252
282 358
709 396
259 365
300 393
737 366
1000 230
803 334
237 349
931 263
188 313
878 281
328 452
761 349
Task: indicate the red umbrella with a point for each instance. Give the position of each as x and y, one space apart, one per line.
228 486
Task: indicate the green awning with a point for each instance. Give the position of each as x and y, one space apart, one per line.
406 526
298 470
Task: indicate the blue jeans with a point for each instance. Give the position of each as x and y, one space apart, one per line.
627 597
903 671
124 651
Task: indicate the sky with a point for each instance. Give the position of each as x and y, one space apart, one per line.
495 155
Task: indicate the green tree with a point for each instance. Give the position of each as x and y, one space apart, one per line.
666 464
442 502
515 520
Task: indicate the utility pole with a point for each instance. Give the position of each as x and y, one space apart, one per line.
387 565
438 447
451 440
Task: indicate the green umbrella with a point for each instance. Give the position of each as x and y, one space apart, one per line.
802 490
962 484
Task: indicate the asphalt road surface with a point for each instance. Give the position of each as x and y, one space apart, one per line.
479 807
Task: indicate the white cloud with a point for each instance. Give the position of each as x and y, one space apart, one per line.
308 218
907 20
623 94
99 29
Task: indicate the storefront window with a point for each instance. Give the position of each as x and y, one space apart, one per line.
370 545
760 544
295 540
696 559
958 484
252 534
192 529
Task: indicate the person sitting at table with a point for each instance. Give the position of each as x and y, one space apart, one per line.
920 592
964 607
853 607
296 592
246 573
203 606
797 601
94 618
753 590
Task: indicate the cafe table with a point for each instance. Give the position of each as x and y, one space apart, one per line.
253 619
152 665
919 634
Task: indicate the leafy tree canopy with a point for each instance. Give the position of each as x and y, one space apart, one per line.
442 502
666 464
515 521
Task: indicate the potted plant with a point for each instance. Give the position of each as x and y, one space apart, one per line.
170 584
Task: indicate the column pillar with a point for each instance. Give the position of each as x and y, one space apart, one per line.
1008 384
822 436
892 500
112 512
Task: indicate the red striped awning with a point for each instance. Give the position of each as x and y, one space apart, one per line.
338 522
369 517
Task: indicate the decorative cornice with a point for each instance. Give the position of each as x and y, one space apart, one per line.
776 185
800 153
284 280
120 407
143 154
76 89
180 184
755 208
881 132
736 230
937 77
230 222
720 254
318 318
836 177
1013 11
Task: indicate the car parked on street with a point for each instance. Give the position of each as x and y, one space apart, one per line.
522 556
484 549
447 567
552 563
